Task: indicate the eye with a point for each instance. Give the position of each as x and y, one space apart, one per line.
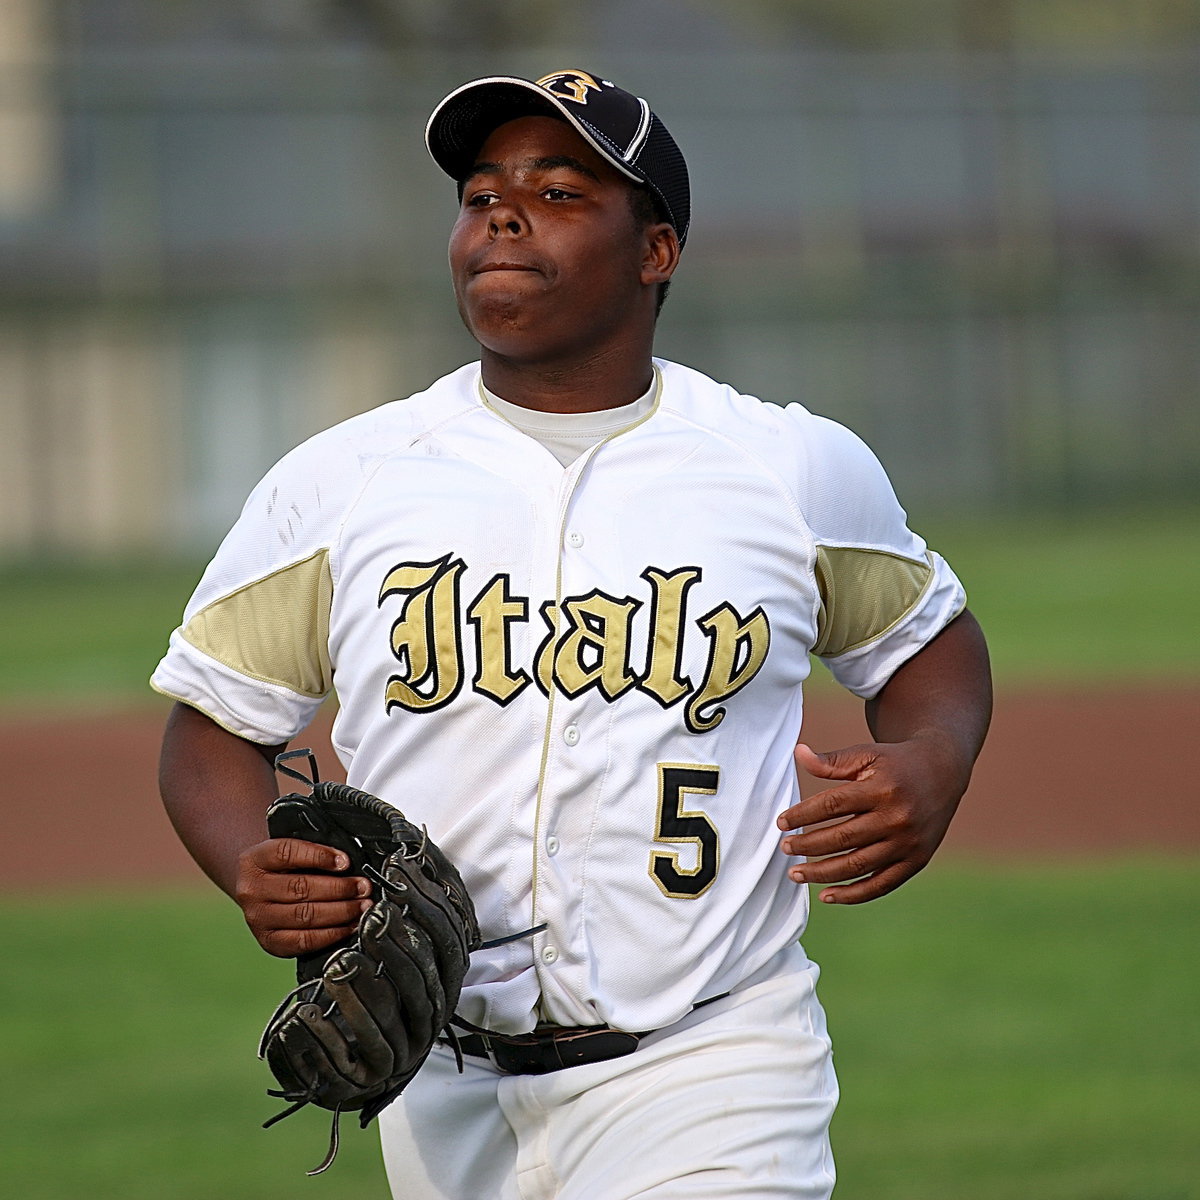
558 194
480 200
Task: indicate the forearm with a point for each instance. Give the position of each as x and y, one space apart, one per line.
216 788
894 799
943 695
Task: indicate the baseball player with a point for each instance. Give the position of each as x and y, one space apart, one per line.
566 598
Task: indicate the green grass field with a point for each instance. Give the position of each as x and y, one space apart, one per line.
1112 597
1108 597
84 630
1001 1034
1006 1033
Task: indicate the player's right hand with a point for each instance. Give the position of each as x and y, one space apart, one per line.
290 901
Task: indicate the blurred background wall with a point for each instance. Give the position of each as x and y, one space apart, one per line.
968 228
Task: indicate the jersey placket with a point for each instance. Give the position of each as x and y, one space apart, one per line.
563 812
561 736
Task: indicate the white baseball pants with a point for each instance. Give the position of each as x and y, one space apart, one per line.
734 1100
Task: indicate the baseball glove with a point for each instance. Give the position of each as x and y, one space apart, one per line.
367 1011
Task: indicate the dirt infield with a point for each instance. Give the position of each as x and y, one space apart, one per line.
1063 774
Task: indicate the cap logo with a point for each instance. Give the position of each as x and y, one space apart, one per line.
569 85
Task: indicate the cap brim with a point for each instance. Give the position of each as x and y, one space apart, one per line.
462 122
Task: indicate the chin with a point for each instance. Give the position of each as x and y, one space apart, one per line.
504 328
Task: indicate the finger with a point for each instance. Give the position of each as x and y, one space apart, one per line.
871 887
292 854
841 868
288 930
288 943
277 888
305 915
831 804
850 762
840 837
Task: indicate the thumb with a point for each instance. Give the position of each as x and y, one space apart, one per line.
848 763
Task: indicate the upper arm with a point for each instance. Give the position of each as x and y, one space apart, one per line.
946 683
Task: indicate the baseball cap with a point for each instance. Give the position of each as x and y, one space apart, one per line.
617 124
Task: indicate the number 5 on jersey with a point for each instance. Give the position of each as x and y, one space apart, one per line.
678 825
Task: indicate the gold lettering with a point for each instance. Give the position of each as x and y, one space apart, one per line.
737 651
594 649
664 679
425 638
491 614
590 649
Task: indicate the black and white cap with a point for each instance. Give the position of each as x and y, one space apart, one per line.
617 124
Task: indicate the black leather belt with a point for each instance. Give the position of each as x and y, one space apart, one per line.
550 1047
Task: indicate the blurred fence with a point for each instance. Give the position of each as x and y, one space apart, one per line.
987 265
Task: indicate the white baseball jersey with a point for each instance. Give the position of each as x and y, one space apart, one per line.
586 681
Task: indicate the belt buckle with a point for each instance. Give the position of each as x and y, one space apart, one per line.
547 1051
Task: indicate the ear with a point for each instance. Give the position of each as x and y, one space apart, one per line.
660 255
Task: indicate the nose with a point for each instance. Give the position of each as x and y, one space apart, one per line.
505 218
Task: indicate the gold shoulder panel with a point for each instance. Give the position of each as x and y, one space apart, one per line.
864 593
275 630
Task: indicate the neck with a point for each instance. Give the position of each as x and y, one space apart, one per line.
604 380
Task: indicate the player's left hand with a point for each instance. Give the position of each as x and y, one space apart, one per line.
891 814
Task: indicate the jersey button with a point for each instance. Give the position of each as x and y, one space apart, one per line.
552 846
571 734
549 955
575 539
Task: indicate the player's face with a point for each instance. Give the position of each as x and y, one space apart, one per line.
547 258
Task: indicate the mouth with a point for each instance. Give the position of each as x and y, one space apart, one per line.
491 268
487 265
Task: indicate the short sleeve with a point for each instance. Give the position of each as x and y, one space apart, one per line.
252 650
883 593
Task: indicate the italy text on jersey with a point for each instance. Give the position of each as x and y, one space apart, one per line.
588 642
